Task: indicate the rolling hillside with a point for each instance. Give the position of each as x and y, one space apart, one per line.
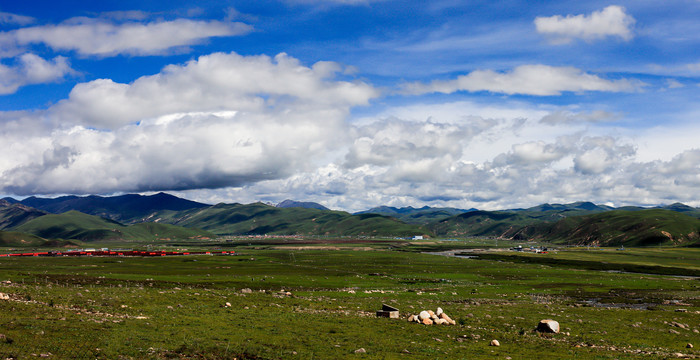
84 227
648 227
258 218
411 215
16 239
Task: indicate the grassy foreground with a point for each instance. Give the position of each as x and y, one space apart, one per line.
175 307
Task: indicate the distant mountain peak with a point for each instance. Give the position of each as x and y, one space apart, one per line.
301 204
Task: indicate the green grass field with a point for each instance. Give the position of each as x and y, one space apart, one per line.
174 307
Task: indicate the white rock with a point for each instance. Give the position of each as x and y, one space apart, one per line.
548 326
360 351
495 343
439 311
424 315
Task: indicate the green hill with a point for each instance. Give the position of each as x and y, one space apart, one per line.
483 223
84 227
411 215
258 218
648 227
17 239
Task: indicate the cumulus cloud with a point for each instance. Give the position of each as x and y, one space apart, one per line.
213 82
101 37
220 120
32 69
611 21
538 80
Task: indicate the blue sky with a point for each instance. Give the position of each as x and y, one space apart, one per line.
353 104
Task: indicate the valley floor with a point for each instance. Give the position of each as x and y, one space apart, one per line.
272 302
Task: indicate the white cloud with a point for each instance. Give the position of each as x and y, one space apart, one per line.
14 19
539 80
32 69
566 116
611 21
221 120
100 37
217 81
674 84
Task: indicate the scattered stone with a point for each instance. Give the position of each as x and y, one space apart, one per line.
228 304
4 296
679 325
494 343
412 318
548 326
676 332
681 310
444 316
439 311
360 351
246 291
689 346
427 321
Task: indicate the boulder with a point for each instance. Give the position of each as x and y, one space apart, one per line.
439 311
424 315
427 322
494 343
548 326
431 312
412 318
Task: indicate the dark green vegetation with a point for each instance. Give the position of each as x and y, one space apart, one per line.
119 218
639 227
258 218
89 228
174 307
411 215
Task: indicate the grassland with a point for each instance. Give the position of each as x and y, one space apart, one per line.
174 307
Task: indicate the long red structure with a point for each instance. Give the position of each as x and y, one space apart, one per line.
120 253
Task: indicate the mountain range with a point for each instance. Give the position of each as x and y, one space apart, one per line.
162 217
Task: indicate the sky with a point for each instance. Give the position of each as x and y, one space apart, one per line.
353 103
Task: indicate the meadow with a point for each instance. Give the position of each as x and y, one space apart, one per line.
276 300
